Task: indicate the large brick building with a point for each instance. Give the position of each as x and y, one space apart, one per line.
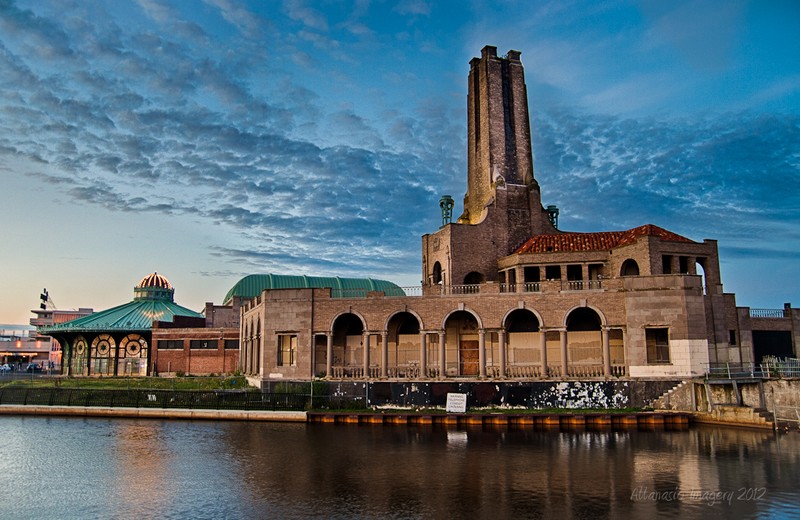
506 295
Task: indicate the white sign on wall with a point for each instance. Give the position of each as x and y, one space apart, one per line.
456 403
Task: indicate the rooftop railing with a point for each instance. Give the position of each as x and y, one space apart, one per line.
767 313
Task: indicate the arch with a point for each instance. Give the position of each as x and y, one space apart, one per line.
79 358
347 316
588 308
583 319
132 356
462 337
102 354
437 273
518 320
467 310
403 343
629 268
700 269
474 278
410 313
347 330
523 344
584 341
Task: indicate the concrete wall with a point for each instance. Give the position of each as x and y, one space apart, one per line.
537 395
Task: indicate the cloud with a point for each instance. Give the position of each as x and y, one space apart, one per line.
717 175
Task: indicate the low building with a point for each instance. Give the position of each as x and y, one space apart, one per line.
118 341
20 345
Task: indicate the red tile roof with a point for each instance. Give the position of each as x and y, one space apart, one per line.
572 242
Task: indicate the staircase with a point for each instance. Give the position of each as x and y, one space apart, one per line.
666 401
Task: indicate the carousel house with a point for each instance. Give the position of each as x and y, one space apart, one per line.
118 341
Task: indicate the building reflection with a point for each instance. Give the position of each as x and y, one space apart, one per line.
354 471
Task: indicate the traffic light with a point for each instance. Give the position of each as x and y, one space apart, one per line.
44 297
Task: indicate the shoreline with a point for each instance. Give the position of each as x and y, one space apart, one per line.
563 420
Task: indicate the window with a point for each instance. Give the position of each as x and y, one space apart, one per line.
552 272
732 337
666 264
287 349
197 344
231 344
657 345
170 344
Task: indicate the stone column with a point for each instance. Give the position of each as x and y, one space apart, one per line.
385 354
543 346
365 342
442 363
482 353
423 355
606 353
329 355
564 367
501 340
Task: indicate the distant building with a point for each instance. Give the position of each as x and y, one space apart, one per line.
507 295
19 345
47 317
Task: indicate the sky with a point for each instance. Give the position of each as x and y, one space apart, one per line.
211 139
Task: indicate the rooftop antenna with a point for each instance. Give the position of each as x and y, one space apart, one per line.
46 302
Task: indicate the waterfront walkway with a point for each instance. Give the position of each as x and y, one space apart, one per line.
565 420
155 413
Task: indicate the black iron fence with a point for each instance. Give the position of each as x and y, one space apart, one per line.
182 399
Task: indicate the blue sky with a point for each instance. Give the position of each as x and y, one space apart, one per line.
207 140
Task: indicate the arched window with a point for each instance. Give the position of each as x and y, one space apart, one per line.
629 268
437 273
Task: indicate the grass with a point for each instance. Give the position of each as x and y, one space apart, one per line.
150 383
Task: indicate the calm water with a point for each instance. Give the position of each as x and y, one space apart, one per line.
126 468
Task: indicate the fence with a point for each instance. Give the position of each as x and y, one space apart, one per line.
770 368
183 399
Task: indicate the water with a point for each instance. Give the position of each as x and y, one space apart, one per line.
128 468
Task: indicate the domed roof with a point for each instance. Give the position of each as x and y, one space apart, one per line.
154 280
251 286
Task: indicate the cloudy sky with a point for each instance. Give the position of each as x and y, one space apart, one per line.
211 139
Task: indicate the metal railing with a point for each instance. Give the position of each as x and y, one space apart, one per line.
769 368
768 313
178 399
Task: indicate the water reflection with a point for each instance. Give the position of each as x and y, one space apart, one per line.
79 468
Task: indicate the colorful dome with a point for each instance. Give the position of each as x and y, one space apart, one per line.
155 280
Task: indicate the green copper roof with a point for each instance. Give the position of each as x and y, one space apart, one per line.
152 301
251 286
137 315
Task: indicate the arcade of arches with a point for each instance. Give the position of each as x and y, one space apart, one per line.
105 355
522 348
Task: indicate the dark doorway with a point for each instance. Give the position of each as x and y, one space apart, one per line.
776 343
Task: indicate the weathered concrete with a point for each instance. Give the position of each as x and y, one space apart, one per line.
614 393
734 415
155 413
